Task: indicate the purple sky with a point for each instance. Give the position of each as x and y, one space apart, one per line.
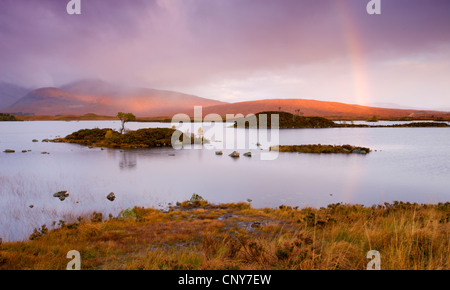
236 50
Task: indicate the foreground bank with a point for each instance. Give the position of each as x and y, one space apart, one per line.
199 235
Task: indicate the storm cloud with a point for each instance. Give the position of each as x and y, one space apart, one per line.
235 50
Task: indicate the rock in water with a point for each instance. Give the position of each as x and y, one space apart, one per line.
9 151
219 153
195 197
111 196
61 195
235 154
248 154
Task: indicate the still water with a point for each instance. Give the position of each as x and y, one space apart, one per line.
410 164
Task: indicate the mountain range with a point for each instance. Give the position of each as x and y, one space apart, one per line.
103 98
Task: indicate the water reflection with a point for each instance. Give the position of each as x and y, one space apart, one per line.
128 160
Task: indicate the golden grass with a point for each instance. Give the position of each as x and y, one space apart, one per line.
236 236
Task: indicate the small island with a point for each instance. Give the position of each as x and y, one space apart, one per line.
291 121
321 149
109 138
288 121
7 117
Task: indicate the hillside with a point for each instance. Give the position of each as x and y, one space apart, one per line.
9 94
95 96
331 110
103 98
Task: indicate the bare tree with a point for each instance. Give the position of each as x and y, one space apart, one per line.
124 118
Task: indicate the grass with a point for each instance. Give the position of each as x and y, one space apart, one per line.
321 149
7 117
143 138
200 235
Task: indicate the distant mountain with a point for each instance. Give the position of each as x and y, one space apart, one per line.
94 87
96 96
103 98
9 94
304 107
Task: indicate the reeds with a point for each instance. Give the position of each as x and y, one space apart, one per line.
236 236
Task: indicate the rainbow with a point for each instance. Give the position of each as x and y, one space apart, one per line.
361 83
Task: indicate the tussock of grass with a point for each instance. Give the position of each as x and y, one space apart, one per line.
236 236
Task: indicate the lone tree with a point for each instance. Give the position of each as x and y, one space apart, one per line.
125 117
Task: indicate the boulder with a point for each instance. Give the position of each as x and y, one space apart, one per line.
235 154
359 151
111 196
35 140
219 153
195 197
61 195
256 225
248 154
9 151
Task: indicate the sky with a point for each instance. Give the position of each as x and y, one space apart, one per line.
236 50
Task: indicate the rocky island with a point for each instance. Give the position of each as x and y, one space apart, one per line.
109 138
319 149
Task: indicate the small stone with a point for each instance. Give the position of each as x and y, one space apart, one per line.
219 153
31 206
195 197
256 225
61 195
111 196
35 140
235 154
9 151
248 154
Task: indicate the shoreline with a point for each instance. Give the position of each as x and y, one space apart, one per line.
198 235
168 119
